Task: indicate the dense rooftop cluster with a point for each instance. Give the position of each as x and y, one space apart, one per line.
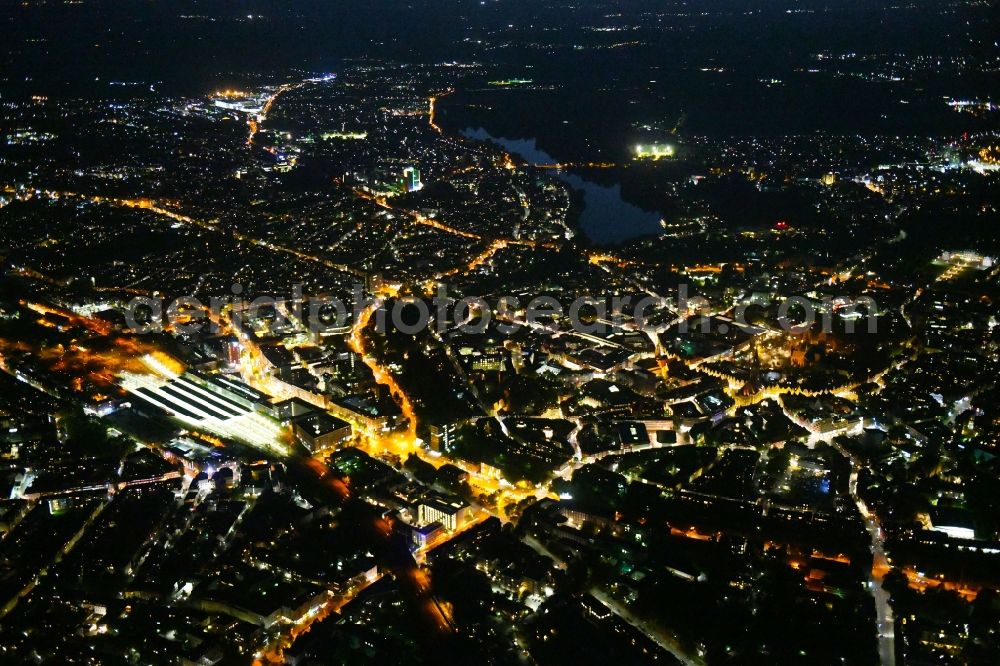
316 369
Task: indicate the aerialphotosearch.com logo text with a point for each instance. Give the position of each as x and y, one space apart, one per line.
506 313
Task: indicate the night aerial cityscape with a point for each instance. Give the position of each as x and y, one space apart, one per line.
506 332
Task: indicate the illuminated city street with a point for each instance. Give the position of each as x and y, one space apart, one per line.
517 334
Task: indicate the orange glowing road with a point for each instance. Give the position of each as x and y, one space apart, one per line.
415 580
254 122
430 222
405 443
160 209
417 217
275 652
274 247
477 261
597 258
92 325
323 473
91 364
920 582
400 443
432 110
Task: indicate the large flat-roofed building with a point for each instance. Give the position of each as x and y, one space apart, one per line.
318 431
442 437
232 389
453 513
381 414
426 535
291 408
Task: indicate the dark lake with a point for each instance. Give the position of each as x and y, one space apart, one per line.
606 218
